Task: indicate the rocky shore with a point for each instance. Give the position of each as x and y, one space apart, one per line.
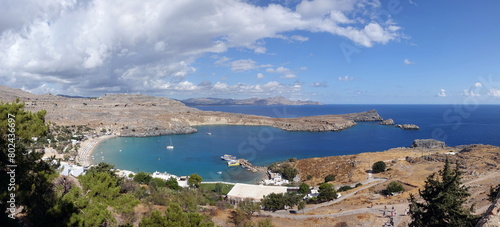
408 126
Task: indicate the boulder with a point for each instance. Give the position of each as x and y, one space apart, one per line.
428 144
387 122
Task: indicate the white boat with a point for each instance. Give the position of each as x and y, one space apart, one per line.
209 132
219 172
171 146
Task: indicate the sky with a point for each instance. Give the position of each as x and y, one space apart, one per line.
332 51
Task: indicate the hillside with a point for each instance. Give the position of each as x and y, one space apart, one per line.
141 115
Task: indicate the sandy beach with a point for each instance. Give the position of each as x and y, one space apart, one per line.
87 147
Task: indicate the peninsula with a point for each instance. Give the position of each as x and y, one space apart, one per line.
141 115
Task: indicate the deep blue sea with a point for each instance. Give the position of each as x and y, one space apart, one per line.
200 153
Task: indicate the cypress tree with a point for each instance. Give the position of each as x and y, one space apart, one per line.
444 198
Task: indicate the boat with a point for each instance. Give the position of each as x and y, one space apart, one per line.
209 132
228 157
219 172
171 146
233 163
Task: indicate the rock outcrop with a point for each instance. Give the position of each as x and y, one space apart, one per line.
408 126
428 144
491 217
387 122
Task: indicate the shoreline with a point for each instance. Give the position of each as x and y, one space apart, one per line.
87 147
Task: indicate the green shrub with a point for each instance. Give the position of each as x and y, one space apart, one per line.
378 167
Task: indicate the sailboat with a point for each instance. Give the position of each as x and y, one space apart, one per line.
171 146
209 132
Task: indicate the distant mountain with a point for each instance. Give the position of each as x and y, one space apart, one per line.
250 101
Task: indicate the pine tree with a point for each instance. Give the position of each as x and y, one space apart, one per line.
443 203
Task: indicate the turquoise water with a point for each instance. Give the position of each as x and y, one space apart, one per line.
200 153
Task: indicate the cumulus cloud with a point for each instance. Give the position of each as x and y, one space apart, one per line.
286 72
408 62
442 93
345 78
92 46
260 76
470 92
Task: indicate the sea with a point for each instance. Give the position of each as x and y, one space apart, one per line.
262 145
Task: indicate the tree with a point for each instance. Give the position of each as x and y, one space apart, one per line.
329 177
289 173
304 189
326 192
156 219
301 205
172 184
273 202
394 187
444 199
249 207
378 167
291 199
33 187
194 180
142 178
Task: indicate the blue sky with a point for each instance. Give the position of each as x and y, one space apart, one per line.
332 51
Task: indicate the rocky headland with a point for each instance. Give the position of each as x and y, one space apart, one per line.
408 126
141 115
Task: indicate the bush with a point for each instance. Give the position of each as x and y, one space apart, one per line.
329 177
358 184
394 187
142 178
378 167
309 177
345 188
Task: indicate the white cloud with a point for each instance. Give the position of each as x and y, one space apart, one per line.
243 65
408 62
84 47
442 93
494 93
470 92
286 72
299 38
478 84
279 70
288 76
260 75
345 78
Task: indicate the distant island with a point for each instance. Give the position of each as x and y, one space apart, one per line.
278 100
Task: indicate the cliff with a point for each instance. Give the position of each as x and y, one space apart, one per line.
141 115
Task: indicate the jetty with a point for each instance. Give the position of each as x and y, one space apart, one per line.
248 165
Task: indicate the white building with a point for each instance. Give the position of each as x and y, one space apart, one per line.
69 169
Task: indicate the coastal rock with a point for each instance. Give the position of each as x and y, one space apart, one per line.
428 144
408 126
387 122
371 115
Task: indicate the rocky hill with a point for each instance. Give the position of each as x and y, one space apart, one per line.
251 101
141 115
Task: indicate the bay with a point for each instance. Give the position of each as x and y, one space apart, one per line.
200 153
